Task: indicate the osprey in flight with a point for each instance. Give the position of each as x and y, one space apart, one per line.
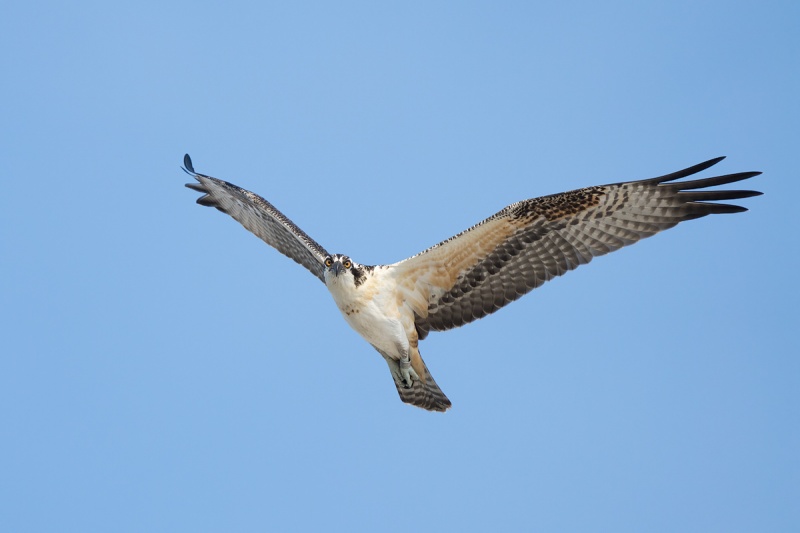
481 269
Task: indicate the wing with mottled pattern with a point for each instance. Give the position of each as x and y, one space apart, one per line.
528 243
261 218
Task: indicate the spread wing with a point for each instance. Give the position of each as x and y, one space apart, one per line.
528 243
261 218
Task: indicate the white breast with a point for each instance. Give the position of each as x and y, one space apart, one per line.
371 309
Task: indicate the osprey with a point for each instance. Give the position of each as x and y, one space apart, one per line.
481 269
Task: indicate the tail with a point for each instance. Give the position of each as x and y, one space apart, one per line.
424 393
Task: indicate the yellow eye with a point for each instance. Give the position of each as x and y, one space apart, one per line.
347 264
328 262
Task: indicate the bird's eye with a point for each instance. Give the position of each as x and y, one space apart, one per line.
348 264
328 262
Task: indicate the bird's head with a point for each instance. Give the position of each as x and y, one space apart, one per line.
341 269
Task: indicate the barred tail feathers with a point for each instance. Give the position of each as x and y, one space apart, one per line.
423 393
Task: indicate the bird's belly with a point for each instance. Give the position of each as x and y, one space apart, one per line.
384 332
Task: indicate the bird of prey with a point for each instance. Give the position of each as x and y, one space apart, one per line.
482 269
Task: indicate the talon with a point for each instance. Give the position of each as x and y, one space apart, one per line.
407 373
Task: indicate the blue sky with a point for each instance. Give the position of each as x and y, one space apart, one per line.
164 370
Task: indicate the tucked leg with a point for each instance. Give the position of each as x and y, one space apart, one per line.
407 374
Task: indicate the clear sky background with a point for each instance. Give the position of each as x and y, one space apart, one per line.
164 370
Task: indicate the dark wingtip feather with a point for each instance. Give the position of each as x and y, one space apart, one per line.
705 196
703 208
206 201
187 165
713 182
687 171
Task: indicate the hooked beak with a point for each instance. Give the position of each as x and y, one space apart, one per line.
337 268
